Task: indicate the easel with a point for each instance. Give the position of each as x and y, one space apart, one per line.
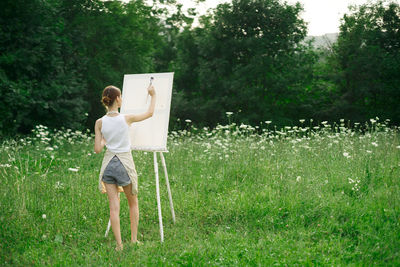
158 194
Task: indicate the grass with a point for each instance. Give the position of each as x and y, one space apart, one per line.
316 195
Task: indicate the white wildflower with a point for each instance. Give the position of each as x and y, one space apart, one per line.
59 185
49 148
44 216
228 113
302 120
298 178
188 121
268 122
398 147
5 165
356 184
374 144
345 154
73 169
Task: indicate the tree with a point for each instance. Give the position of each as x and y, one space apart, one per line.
58 55
38 78
368 56
112 39
246 57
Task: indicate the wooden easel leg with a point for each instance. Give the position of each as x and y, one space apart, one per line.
171 204
158 197
108 228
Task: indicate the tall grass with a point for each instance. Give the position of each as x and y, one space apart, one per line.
309 195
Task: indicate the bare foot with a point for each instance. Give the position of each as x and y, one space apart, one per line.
119 247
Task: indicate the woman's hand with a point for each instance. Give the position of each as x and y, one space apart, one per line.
151 90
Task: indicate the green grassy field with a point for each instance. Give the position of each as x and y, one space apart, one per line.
315 195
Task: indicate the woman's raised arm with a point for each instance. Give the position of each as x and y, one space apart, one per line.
130 118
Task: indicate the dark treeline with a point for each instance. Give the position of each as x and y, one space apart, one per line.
247 57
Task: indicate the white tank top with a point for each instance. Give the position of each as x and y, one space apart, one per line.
116 133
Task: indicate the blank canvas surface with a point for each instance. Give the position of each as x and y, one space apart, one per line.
150 134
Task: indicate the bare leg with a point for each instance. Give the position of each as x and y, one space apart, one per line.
133 211
112 193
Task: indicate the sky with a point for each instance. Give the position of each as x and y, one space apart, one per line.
323 16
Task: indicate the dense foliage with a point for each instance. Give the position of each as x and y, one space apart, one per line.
57 56
247 57
41 76
368 56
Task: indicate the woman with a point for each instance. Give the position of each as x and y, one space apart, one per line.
118 171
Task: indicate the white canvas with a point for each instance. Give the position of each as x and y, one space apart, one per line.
150 134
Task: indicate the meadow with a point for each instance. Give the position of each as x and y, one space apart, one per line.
313 194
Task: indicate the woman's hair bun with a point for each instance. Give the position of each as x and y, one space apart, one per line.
110 93
106 100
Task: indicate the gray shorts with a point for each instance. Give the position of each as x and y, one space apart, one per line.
115 173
